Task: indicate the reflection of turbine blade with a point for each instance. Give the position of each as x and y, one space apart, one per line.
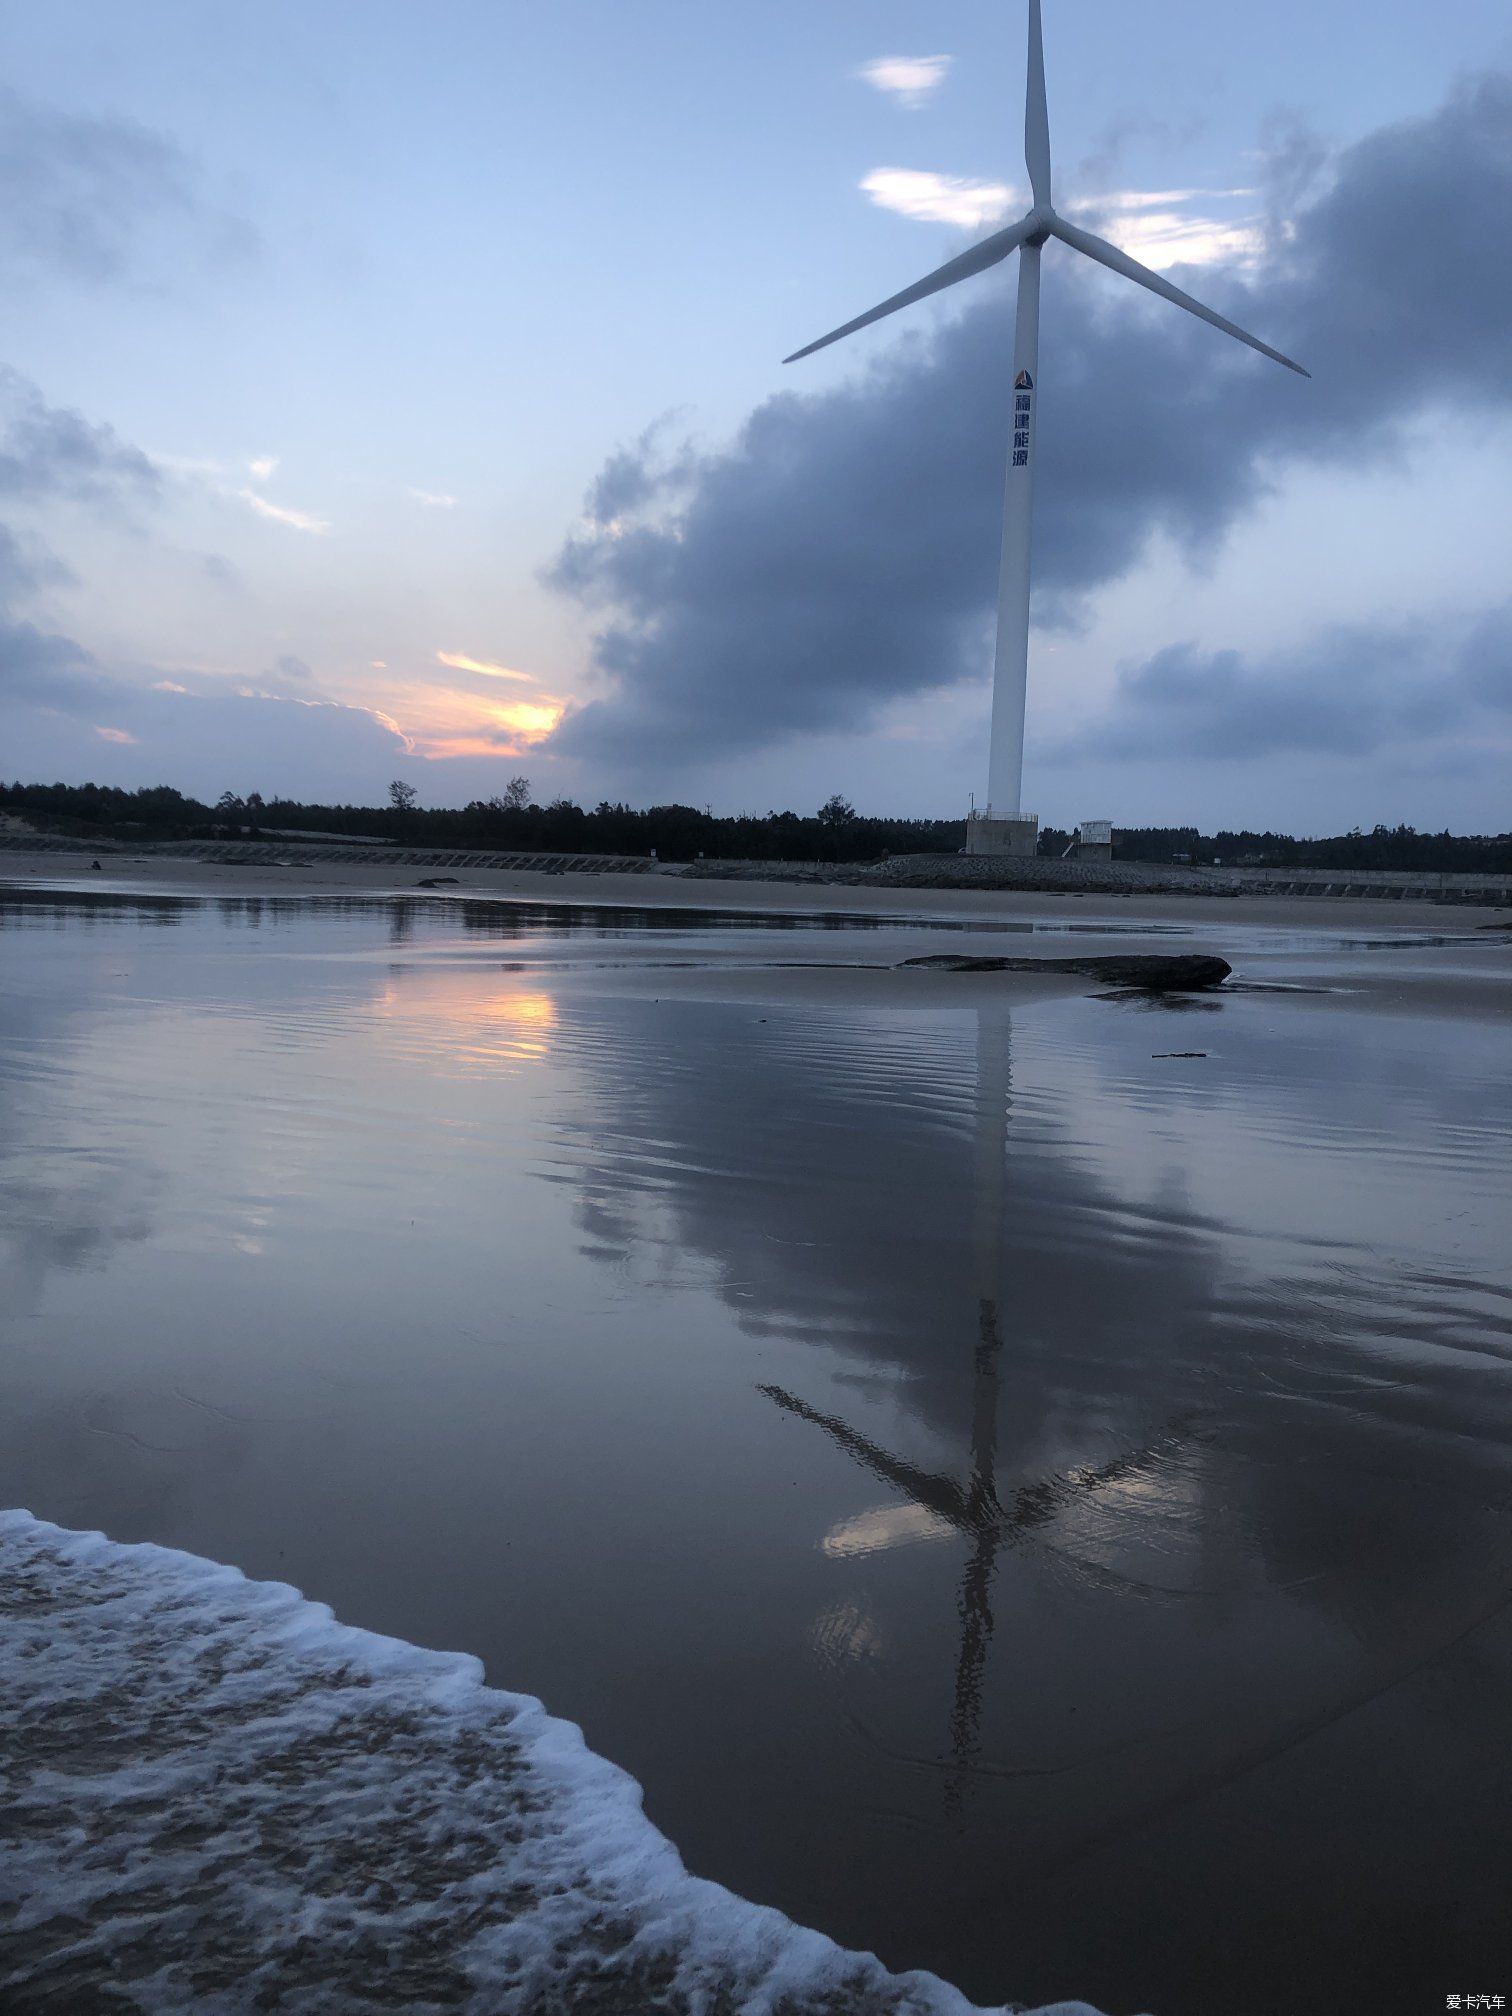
941 1495
1036 1504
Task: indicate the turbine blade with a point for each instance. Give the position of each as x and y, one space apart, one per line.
1036 114
1120 262
977 260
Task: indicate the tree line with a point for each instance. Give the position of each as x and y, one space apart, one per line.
513 822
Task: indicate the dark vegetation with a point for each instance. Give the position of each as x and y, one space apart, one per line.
513 822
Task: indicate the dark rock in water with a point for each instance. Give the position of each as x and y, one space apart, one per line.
1158 973
437 882
1184 972
94 864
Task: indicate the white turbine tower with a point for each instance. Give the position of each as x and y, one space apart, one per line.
1000 826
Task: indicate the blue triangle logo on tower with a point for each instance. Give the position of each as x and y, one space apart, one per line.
1023 382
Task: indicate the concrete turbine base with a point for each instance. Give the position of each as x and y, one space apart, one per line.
1002 836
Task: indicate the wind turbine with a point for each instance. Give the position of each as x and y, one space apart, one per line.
1000 826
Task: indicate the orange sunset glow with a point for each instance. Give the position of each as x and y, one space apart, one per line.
455 719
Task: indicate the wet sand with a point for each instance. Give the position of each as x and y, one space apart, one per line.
1019 1477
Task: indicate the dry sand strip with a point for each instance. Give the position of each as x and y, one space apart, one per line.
222 1800
158 873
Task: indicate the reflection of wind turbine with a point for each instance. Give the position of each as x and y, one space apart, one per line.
1006 761
973 1508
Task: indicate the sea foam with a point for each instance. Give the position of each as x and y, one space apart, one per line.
220 1799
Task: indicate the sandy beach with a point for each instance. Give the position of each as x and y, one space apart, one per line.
1012 1472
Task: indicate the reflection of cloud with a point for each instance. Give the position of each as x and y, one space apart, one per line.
846 1632
883 1527
57 1228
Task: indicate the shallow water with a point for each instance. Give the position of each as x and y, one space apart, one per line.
1027 1503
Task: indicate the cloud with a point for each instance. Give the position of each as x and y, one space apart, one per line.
283 514
39 668
460 663
1348 691
938 199
1162 227
434 500
840 553
288 678
87 196
1174 227
262 467
54 452
909 79
204 741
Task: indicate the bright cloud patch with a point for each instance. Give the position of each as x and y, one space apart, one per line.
115 735
1174 227
938 199
283 514
909 79
463 724
459 662
434 500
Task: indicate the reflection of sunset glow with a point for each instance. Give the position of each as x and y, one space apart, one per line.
527 1020
457 1015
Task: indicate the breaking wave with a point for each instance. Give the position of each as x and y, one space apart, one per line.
221 1799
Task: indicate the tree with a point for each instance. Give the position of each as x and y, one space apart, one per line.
835 813
402 796
517 794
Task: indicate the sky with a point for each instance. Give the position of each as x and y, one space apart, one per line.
395 391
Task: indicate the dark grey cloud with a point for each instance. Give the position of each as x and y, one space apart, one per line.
42 669
53 451
638 476
841 552
86 196
20 571
289 678
46 453
1345 692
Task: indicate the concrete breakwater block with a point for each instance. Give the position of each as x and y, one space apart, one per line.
1159 973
